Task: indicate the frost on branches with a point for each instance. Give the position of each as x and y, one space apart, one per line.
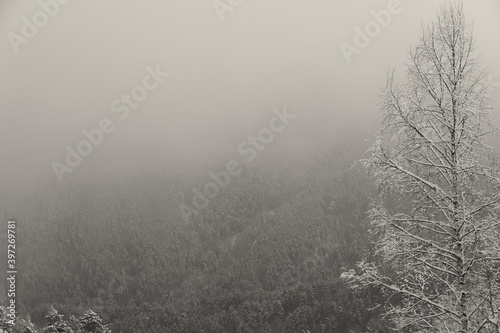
436 220
55 322
91 322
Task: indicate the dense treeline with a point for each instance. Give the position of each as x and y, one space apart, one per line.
89 322
264 256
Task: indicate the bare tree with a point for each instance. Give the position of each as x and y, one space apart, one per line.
440 239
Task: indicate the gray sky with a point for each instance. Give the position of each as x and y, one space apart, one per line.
225 76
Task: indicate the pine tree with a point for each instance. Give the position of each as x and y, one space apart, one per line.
28 326
4 325
92 323
55 322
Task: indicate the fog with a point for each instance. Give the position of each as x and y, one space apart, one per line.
196 166
225 78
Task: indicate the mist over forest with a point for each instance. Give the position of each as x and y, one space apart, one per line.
218 166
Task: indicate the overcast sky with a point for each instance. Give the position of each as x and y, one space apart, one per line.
225 76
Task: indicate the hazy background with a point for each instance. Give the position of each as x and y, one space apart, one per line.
225 78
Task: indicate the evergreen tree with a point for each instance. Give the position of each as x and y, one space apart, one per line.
28 326
4 325
56 323
92 323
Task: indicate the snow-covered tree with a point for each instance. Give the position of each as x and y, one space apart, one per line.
92 323
28 326
439 241
4 325
56 323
